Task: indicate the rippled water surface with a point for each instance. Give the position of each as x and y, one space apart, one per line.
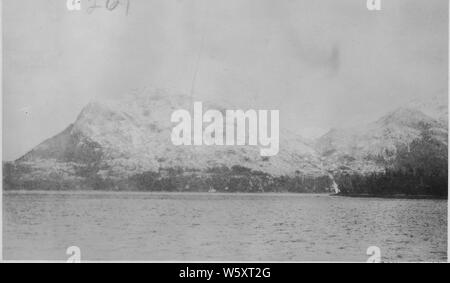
172 226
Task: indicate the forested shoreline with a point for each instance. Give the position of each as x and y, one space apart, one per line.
218 179
418 169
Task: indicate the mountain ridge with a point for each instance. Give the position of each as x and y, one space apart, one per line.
132 136
128 141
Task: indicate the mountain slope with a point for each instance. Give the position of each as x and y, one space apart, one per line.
116 140
435 106
368 147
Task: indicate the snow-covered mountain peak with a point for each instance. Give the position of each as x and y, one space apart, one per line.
133 135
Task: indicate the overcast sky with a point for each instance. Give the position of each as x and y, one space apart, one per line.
322 63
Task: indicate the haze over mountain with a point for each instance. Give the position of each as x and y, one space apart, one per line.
322 63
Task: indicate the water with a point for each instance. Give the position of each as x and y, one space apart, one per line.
238 227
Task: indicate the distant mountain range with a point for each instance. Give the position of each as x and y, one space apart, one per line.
116 140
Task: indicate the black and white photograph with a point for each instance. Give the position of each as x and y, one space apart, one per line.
224 131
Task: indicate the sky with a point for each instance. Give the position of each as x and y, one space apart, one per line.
323 63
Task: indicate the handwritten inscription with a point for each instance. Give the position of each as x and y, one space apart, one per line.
92 5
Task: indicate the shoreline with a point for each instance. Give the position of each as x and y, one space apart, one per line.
395 196
93 192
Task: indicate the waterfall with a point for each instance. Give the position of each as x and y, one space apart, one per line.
334 187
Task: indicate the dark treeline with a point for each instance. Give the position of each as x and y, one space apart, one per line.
222 179
235 179
420 168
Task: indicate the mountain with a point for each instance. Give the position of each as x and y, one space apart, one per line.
404 153
116 140
125 144
435 106
368 148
